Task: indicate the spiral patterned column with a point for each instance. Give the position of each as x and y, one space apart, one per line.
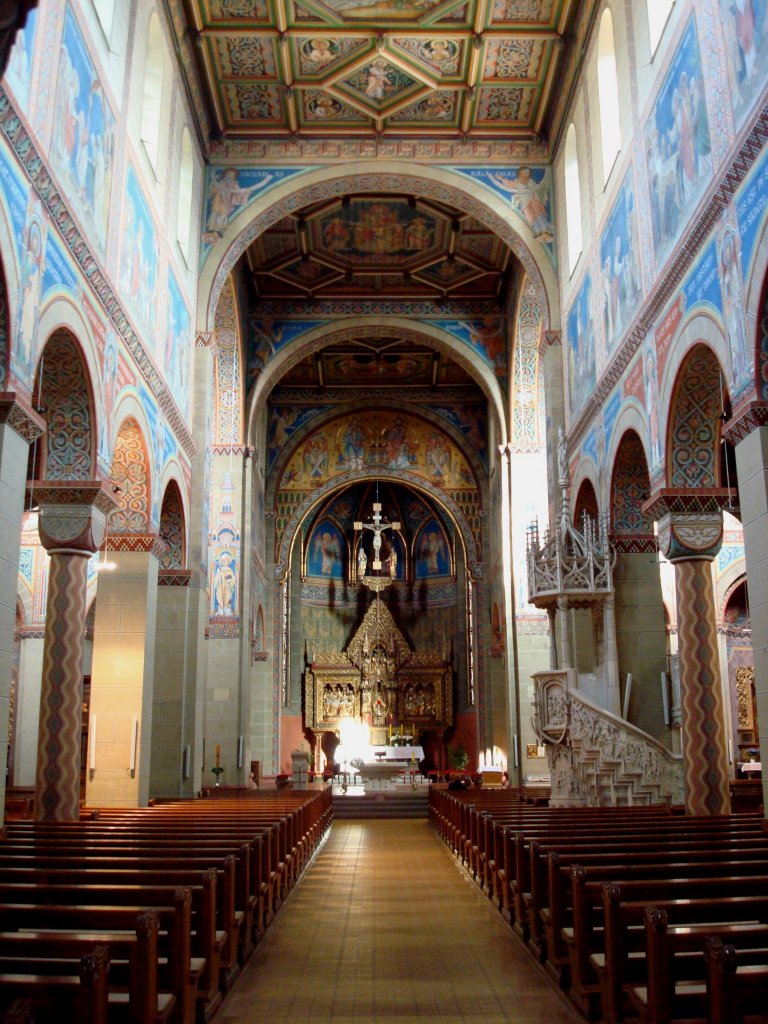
72 522
690 525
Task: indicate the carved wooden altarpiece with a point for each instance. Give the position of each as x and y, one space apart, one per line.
378 680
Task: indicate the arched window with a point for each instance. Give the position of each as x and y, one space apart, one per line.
572 198
658 13
186 180
608 94
151 103
105 12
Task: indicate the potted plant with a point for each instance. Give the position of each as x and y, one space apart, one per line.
458 758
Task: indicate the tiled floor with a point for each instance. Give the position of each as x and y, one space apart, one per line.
384 927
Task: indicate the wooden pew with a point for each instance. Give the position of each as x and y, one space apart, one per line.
179 971
42 903
615 952
134 992
675 988
735 986
81 995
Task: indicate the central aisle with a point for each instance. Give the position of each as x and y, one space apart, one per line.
384 927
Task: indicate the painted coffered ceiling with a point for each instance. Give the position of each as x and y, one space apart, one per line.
385 246
319 68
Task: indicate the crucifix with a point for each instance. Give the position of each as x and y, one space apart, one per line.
377 525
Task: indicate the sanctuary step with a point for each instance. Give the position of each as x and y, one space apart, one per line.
383 804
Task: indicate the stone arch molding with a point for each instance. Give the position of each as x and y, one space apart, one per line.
358 327
438 183
399 476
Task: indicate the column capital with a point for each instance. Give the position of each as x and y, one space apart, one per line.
690 520
17 414
745 420
73 514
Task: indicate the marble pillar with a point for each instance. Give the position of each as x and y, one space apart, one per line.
690 530
72 522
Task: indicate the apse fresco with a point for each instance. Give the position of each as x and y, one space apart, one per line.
470 420
83 141
398 441
580 334
325 551
678 145
744 22
619 250
138 256
432 552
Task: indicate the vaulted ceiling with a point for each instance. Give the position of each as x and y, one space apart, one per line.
303 68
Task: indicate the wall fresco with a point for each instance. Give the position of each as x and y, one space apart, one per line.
177 349
486 336
138 256
432 551
678 145
619 252
580 348
18 72
229 190
744 24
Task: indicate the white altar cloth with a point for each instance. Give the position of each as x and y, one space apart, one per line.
398 753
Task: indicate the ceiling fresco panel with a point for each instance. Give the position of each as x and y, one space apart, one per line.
366 68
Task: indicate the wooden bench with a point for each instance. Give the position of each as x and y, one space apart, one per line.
610 957
675 985
134 991
79 995
735 987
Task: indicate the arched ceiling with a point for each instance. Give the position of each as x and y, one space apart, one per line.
379 246
309 68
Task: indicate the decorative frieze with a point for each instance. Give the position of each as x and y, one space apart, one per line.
27 423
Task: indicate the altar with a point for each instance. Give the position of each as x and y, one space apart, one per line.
388 753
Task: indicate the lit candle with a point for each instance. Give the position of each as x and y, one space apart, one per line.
218 755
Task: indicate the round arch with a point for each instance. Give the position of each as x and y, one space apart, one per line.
586 473
443 185
631 417
400 327
399 476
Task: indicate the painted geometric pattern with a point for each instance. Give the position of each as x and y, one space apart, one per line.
58 752
504 103
525 417
704 735
172 529
522 10
246 56
696 421
130 472
227 368
508 59
252 101
65 396
631 487
223 9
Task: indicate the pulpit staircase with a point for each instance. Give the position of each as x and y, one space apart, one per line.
596 758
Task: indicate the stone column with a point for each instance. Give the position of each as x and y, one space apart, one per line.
564 624
171 673
611 658
19 426
690 528
73 516
748 431
122 678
